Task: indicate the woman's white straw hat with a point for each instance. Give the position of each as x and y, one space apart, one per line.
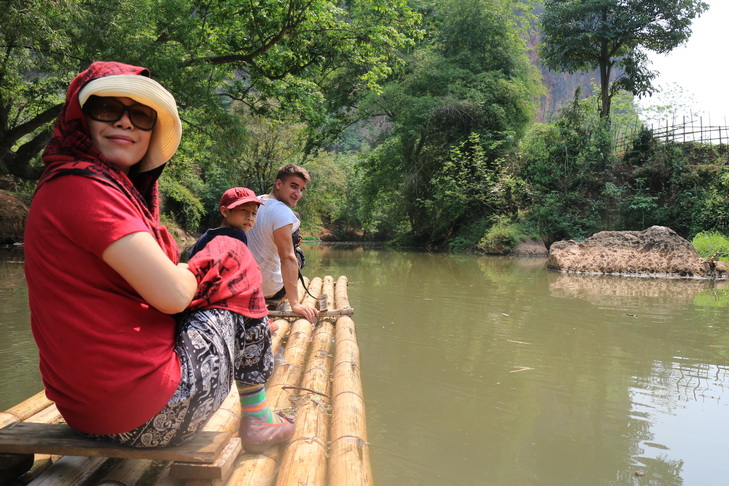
167 132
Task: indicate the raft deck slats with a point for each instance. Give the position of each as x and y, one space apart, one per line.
325 393
260 469
304 460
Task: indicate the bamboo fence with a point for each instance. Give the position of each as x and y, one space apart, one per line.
320 385
688 129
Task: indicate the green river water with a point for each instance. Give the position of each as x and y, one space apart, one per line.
495 371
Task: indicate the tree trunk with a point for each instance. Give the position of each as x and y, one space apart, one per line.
605 97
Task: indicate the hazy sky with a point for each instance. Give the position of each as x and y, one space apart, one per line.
701 66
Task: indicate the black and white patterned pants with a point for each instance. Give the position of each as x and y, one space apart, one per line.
215 347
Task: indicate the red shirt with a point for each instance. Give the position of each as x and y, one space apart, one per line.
106 356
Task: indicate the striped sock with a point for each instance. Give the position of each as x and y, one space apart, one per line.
253 403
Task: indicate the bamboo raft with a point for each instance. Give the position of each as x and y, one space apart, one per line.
321 385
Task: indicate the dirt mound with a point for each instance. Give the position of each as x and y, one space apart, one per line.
657 252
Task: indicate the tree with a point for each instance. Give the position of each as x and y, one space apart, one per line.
609 35
467 93
274 56
29 96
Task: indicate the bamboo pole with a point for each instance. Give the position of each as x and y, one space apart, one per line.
127 472
328 290
278 336
289 372
49 415
304 460
349 458
341 298
303 296
347 311
69 471
260 469
227 418
349 462
25 409
255 469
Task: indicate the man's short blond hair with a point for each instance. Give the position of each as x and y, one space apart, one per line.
289 170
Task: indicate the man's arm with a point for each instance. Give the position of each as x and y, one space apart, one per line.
290 272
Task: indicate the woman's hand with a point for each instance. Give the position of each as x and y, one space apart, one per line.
138 258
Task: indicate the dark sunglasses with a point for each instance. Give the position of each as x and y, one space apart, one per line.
106 109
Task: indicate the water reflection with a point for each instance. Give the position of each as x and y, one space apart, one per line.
483 370
680 405
612 291
19 375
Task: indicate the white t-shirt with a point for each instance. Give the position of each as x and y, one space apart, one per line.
272 215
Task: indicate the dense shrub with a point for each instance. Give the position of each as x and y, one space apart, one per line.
500 239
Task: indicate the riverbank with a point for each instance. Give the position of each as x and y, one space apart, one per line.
13 212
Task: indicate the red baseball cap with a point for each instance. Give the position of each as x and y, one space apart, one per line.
235 196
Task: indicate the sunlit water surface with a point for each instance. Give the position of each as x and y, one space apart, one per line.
495 371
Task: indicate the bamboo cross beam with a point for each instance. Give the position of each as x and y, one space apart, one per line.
345 311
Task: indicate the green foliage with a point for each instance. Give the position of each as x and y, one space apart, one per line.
171 225
277 57
566 167
561 216
181 204
326 194
576 186
469 235
438 147
468 93
471 183
712 213
270 143
664 188
712 244
500 239
612 35
642 201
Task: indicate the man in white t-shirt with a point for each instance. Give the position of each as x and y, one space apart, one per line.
271 243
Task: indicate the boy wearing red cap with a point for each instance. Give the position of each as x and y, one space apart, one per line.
238 207
259 424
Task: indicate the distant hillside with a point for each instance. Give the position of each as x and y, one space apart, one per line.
560 87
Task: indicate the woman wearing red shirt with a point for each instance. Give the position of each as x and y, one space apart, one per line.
135 347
